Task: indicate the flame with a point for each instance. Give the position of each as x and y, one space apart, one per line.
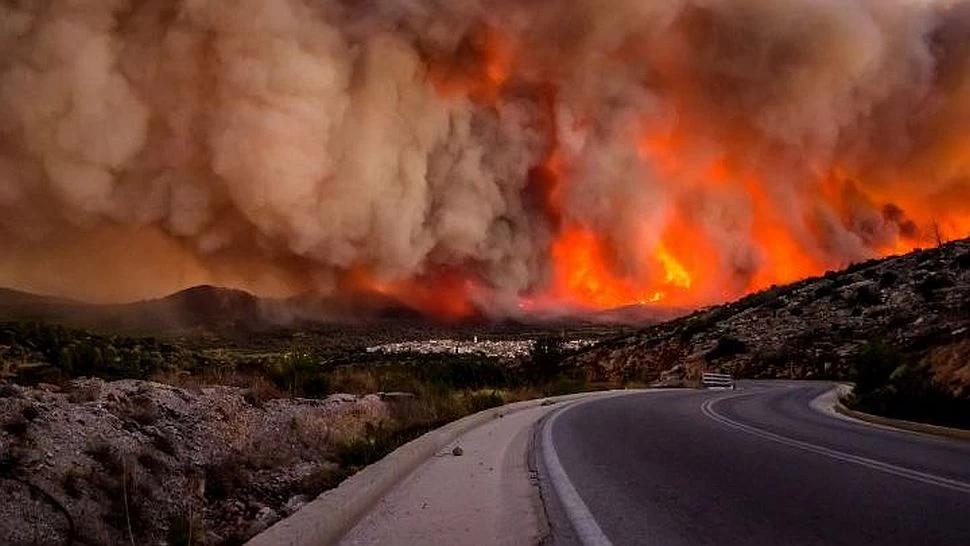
674 272
681 258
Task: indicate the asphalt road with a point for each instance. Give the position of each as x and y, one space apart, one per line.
753 466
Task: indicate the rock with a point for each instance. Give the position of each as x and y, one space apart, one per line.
458 451
396 396
264 518
294 504
10 391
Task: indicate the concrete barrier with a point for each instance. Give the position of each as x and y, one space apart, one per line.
911 426
330 516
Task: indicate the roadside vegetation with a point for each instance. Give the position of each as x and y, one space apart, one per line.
416 392
895 384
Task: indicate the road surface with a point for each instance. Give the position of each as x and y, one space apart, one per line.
752 466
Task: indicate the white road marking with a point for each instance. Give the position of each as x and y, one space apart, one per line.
954 485
582 519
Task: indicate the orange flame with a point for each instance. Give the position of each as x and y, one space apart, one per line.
694 257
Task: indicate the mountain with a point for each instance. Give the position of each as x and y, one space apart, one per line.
916 305
205 308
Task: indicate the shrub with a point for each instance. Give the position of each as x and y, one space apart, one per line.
480 401
88 392
300 373
565 385
545 363
224 478
185 531
163 442
30 413
17 427
727 346
931 284
890 383
72 484
322 480
874 364
963 260
152 463
887 279
375 444
866 296
142 410
106 456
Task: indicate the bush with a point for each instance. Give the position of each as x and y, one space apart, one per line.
185 531
890 383
223 478
480 401
142 410
565 385
545 363
300 373
866 296
727 346
963 260
375 444
17 427
931 284
874 364
106 456
887 279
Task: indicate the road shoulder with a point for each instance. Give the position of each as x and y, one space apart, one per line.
486 495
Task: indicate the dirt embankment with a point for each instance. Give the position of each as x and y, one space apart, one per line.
146 463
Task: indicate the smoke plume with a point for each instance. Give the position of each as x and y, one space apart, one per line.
475 151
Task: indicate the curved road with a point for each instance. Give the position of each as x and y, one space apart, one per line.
754 466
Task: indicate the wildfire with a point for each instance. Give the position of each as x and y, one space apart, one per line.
445 294
692 262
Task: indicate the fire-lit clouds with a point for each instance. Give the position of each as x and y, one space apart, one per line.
476 155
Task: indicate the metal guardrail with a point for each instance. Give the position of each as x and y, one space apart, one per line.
712 380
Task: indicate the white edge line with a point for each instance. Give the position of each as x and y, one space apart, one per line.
580 517
708 409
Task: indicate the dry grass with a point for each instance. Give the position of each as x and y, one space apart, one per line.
951 366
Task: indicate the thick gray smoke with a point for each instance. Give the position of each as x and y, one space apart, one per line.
146 145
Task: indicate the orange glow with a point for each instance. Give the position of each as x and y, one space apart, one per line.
586 275
674 273
479 72
446 295
724 221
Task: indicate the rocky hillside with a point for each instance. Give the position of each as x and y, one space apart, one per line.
918 304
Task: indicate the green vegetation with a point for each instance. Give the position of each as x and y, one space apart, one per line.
33 352
894 384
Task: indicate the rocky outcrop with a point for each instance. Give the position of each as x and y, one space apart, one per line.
136 461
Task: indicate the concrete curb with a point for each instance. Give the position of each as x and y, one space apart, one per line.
584 524
911 426
845 389
330 516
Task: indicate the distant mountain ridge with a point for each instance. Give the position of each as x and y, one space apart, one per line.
212 309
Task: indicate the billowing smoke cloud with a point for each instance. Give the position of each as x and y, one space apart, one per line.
293 145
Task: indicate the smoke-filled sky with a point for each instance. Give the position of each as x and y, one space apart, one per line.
500 154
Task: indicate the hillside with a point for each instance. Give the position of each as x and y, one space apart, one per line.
917 305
